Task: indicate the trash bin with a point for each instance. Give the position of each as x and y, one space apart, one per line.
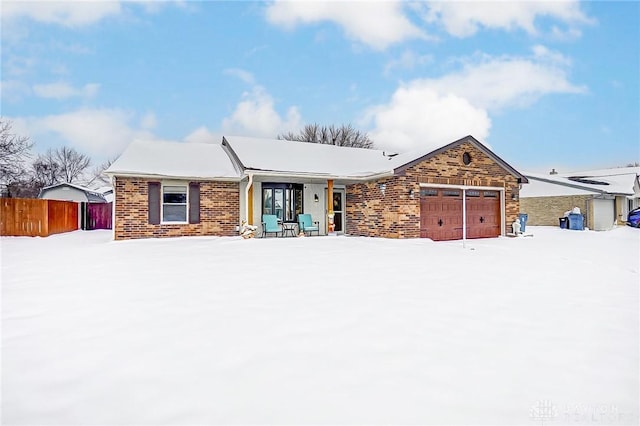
576 221
564 222
523 221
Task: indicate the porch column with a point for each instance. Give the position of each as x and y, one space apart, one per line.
330 224
248 201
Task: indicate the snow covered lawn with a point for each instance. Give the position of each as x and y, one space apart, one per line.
541 330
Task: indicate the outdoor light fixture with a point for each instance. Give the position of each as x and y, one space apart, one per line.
315 198
411 193
382 188
514 195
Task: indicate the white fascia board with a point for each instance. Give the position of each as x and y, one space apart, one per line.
258 173
153 176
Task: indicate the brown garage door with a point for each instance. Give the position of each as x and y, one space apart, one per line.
483 214
441 214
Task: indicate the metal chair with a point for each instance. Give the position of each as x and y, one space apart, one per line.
307 225
271 225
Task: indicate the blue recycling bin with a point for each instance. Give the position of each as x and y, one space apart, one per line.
576 222
522 217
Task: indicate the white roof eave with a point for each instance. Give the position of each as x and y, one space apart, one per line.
162 176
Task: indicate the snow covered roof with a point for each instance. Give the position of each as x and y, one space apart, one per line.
174 159
274 155
608 181
238 154
92 195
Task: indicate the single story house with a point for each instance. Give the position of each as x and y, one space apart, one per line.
604 197
167 189
71 192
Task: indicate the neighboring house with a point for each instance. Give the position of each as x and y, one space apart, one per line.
176 189
604 197
71 192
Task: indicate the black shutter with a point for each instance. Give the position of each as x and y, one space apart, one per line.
154 203
194 202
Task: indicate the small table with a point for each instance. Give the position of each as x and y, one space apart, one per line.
289 229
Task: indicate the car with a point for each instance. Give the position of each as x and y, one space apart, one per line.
634 218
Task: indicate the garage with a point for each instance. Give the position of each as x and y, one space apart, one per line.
441 212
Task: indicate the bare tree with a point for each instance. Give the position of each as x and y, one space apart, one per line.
14 150
45 170
343 135
72 163
97 174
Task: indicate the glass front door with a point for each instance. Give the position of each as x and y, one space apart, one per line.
338 210
283 200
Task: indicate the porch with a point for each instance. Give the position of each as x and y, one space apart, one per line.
287 197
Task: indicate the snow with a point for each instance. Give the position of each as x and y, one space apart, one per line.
322 330
174 159
618 181
308 158
538 188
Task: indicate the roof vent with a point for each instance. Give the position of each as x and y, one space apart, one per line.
390 156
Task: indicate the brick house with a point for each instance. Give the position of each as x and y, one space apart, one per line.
460 190
604 197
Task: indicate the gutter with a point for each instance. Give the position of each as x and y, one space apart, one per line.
301 175
159 176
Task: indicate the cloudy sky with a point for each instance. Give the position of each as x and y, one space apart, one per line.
545 84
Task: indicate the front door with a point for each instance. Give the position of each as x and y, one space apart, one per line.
338 210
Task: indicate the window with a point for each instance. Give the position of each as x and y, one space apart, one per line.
174 204
466 158
283 200
428 192
473 193
490 194
450 193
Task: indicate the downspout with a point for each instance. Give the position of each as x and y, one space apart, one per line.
246 200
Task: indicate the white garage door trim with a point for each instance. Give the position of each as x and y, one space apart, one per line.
480 188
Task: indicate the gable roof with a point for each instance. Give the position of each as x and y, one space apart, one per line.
238 156
92 196
412 158
174 159
306 158
620 181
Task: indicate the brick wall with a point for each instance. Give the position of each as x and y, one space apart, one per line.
545 211
397 215
219 211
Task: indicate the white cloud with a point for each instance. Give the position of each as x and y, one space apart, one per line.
62 90
408 60
99 133
148 121
426 113
377 24
417 117
255 115
495 83
203 135
69 13
13 90
75 13
465 18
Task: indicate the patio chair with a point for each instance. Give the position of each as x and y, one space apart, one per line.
271 225
306 224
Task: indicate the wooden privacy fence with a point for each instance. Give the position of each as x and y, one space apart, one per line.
35 217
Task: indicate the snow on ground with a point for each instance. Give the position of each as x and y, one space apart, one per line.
321 330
